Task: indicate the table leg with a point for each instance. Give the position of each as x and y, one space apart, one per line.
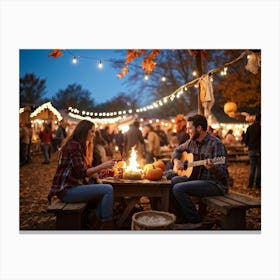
165 200
126 212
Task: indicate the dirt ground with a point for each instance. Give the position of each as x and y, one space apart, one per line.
36 178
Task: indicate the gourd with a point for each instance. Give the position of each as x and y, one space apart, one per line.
147 167
154 174
160 164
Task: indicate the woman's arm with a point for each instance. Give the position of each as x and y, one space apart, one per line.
107 164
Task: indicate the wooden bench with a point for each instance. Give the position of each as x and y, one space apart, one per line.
68 215
237 153
232 207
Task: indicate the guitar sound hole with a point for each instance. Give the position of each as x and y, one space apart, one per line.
185 165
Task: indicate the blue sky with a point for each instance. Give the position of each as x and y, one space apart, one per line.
60 72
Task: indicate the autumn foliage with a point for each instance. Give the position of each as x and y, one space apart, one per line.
56 53
148 64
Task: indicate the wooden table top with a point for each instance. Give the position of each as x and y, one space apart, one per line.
144 182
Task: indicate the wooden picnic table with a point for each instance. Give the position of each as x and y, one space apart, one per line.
134 189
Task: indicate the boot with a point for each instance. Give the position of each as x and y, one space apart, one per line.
92 221
107 225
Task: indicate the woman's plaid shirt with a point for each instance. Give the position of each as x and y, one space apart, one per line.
71 169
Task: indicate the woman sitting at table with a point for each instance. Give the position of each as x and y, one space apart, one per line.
72 180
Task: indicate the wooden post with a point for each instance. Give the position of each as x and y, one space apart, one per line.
199 67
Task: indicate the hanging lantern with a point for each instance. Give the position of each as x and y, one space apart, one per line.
230 109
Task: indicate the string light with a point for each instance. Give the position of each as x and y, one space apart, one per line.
44 106
224 72
170 98
163 79
146 77
100 64
194 73
74 60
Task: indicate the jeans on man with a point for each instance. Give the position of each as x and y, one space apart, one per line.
184 189
255 168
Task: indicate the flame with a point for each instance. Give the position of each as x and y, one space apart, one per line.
133 164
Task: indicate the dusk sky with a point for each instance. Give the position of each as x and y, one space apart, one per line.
61 72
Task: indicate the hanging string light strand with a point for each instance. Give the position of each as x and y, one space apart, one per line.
169 98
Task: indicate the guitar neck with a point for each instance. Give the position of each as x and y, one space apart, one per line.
197 163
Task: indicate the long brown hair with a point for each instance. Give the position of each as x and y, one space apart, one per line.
80 134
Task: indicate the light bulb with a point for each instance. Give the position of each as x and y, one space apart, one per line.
74 60
100 65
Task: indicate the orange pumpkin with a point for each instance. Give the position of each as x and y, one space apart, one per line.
120 164
147 167
154 174
160 164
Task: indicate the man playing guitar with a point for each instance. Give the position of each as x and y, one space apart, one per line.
207 179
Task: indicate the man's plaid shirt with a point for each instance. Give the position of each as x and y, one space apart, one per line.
210 147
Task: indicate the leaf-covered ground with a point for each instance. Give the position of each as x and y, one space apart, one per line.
36 178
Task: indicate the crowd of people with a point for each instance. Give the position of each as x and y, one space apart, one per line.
88 150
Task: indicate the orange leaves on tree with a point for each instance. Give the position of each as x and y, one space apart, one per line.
56 53
132 54
123 72
148 63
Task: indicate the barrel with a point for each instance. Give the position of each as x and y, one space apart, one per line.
152 220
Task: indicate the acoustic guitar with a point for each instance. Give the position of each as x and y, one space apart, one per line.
189 163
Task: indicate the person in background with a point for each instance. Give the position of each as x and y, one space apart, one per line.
74 174
152 144
60 135
182 134
99 152
173 141
206 180
229 138
29 126
213 131
119 141
46 138
25 138
108 137
162 136
252 139
133 138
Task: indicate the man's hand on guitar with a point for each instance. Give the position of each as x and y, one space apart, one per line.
178 164
210 165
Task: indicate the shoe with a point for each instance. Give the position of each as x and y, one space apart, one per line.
187 226
93 222
107 225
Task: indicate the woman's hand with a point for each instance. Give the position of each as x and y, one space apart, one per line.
108 164
105 165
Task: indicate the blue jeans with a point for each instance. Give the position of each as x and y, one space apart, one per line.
182 191
82 193
45 147
255 168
